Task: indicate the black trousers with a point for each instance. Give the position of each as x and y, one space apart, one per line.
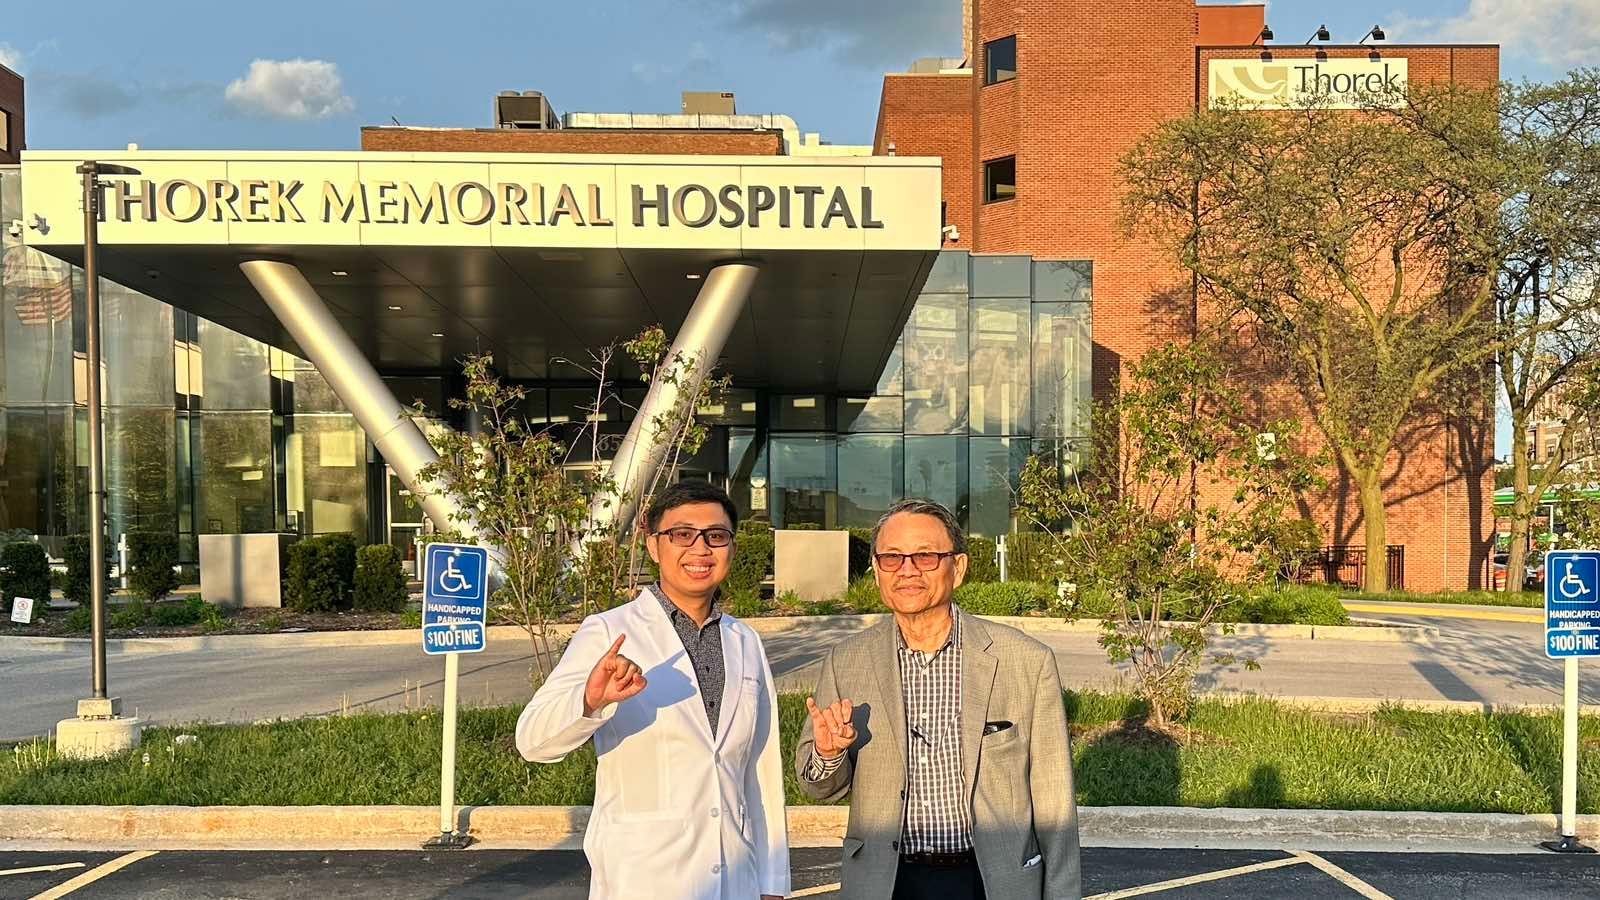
914 881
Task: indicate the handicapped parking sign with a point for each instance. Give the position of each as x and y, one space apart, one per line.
1572 603
454 598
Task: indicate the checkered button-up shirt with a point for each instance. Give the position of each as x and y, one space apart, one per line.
935 818
703 644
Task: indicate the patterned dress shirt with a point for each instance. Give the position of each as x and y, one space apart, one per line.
703 644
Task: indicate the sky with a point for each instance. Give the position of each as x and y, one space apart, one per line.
306 74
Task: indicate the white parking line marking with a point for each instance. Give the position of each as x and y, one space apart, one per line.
95 874
32 869
1202 878
818 890
1343 877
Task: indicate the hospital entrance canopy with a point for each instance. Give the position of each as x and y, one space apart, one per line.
531 256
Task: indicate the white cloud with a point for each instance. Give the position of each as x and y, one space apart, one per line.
1559 33
290 89
10 57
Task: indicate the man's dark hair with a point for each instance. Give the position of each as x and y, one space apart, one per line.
684 493
917 506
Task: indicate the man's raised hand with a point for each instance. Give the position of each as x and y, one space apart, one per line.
614 678
831 729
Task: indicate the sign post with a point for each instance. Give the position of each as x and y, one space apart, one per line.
1572 632
454 621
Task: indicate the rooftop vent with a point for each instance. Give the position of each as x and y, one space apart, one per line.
708 103
528 109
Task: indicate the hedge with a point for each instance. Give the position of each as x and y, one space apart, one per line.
152 559
380 584
24 572
752 559
321 573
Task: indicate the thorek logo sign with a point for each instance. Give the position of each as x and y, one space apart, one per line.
1290 83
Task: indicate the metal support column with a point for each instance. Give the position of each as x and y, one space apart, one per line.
704 333
351 375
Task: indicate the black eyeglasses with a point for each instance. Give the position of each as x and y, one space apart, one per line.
925 561
685 536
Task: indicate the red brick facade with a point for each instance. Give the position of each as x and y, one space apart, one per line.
572 140
1093 78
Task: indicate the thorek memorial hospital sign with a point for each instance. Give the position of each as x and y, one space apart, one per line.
512 200
1291 83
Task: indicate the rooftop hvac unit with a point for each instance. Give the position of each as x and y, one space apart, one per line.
529 109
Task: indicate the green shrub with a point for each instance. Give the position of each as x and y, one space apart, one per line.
981 564
1008 598
860 552
321 573
832 606
133 614
152 560
24 572
752 559
78 621
380 583
1287 605
75 550
411 618
743 604
177 613
863 597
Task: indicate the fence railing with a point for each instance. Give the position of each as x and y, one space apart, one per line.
1346 565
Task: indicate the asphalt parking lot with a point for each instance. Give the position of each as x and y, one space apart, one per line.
1109 874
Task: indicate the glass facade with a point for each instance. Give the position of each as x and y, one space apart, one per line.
993 365
206 430
209 431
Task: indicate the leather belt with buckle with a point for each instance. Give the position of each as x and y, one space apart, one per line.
941 860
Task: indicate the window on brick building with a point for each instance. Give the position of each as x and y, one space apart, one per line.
1000 179
1000 58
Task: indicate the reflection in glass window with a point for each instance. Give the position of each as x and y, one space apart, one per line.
38 473
892 380
136 332
1000 179
736 407
803 413
1002 276
936 365
327 474
871 469
236 475
805 480
999 402
36 304
1062 348
936 469
231 371
870 414
1000 57
141 492
996 472
1069 280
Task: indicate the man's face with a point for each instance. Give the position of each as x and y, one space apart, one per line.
698 569
911 590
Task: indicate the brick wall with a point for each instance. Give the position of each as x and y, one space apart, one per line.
929 115
573 140
11 100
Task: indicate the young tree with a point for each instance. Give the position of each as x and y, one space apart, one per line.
524 496
1356 247
1124 529
1547 286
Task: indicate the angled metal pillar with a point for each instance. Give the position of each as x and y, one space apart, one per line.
705 331
351 375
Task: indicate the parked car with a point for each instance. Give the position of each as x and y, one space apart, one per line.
1532 572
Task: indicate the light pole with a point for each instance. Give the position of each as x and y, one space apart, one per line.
99 728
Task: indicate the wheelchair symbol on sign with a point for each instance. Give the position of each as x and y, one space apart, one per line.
452 581
1571 586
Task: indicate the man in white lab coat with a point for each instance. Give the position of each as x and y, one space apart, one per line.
679 700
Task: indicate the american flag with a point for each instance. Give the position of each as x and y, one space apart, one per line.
37 288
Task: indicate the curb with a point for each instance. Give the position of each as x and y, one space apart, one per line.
1386 633
561 827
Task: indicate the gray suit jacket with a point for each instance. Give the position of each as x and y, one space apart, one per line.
1018 780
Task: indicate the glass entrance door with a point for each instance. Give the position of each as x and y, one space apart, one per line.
404 515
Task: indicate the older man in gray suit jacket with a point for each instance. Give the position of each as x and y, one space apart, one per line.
950 733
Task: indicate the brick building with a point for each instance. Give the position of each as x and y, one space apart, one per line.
1031 131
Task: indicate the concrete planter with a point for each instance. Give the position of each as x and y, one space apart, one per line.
813 564
243 570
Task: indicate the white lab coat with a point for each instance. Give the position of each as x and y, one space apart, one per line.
678 812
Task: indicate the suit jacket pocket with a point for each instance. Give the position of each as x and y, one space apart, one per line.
852 846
